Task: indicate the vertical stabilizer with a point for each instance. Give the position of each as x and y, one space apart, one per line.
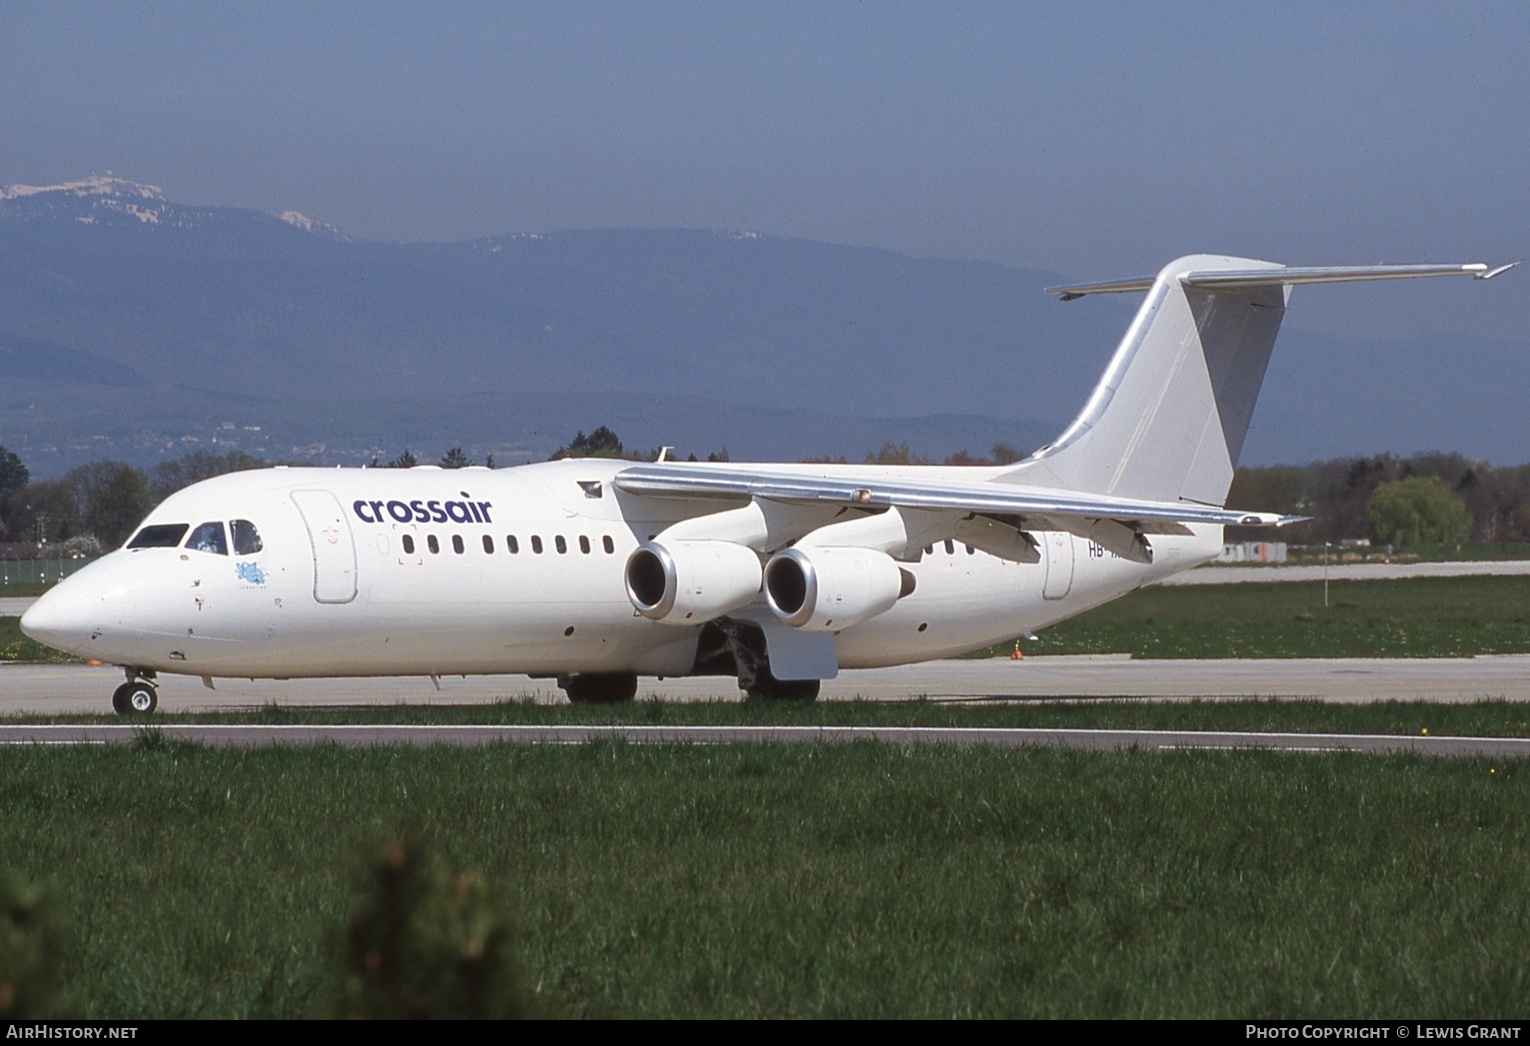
1168 419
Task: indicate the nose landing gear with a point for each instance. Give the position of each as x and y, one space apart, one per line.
138 696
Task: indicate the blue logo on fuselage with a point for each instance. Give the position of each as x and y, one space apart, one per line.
250 573
422 511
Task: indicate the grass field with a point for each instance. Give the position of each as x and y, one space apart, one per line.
1409 617
853 880
1488 718
861 880
25 588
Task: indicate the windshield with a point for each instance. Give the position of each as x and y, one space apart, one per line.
160 535
207 537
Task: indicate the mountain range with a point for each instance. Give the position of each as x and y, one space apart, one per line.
135 327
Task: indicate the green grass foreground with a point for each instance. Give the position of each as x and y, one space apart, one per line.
810 880
1486 718
1404 617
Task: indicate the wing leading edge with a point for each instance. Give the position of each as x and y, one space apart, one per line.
868 490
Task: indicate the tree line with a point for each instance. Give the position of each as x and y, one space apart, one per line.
96 506
1341 496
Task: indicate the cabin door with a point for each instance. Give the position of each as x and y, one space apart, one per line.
334 551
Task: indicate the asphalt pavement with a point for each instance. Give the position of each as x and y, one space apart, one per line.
82 690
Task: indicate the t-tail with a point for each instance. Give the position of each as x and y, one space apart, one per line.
1168 419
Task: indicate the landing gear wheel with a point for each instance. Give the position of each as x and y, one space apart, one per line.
135 698
599 688
769 688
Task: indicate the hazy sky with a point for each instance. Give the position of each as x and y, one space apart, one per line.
1095 140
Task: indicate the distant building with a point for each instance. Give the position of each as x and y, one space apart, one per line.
1253 552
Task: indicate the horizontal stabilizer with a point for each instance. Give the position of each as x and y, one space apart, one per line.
1285 276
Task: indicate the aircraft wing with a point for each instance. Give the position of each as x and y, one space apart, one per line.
682 480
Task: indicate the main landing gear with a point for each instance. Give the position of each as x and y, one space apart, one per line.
769 688
599 688
138 696
737 648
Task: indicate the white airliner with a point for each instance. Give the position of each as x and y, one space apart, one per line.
596 572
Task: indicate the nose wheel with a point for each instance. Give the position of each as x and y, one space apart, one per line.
135 697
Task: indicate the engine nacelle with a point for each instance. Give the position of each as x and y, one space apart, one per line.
689 582
829 589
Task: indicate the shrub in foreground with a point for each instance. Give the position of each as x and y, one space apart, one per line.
428 942
32 934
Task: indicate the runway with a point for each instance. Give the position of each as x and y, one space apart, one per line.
83 690
255 736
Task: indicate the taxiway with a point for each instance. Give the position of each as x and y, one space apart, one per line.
86 690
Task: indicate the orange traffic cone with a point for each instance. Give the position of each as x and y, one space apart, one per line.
1017 656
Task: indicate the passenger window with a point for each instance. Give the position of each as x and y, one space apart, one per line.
209 538
950 548
969 550
432 544
457 545
161 535
246 537
536 544
584 544
513 545
408 545
610 545
561 544
488 544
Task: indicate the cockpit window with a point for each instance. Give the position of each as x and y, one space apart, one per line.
160 535
208 538
246 537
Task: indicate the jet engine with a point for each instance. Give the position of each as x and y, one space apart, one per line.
829 589
689 582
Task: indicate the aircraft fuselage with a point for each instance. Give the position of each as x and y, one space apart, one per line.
364 572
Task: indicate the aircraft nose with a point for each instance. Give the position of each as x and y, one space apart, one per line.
71 615
56 621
